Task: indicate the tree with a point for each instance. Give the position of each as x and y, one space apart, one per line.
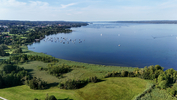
163 84
18 50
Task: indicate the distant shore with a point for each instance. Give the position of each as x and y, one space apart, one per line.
150 22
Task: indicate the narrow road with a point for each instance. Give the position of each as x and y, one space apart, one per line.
3 98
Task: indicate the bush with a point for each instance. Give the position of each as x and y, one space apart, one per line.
93 79
58 70
52 97
124 73
163 84
75 84
36 83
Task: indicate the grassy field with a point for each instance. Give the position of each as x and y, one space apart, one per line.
32 67
76 73
89 70
108 89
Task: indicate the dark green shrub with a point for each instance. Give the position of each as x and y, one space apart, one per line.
124 73
93 79
75 84
52 97
163 84
36 83
58 70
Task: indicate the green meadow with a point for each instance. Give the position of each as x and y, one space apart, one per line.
114 88
108 89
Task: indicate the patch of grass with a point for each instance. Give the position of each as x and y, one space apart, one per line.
32 67
5 32
89 70
25 93
76 73
24 37
115 88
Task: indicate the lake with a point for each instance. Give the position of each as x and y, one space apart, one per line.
119 44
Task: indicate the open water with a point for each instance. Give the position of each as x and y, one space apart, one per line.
120 44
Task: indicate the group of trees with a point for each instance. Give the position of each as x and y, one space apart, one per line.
18 50
2 52
2 29
12 75
58 70
76 84
36 83
18 30
151 73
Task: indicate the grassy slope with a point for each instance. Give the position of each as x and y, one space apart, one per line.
113 89
108 89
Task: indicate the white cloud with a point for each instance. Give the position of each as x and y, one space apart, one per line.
38 3
85 10
11 3
65 6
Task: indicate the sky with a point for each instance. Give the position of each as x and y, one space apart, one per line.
88 10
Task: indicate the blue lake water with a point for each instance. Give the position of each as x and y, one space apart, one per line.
119 44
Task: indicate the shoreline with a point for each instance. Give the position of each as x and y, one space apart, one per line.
96 63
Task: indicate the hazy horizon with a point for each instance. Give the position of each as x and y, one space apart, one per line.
88 10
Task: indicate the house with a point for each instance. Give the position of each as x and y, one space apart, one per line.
37 40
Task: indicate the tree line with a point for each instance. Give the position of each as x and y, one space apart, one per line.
12 75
